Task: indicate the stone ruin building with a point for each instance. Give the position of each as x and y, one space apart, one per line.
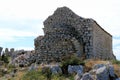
67 33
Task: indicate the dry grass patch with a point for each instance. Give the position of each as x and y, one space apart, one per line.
19 75
90 63
117 69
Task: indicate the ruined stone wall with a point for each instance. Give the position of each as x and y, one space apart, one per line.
87 38
53 47
79 28
66 33
102 43
62 36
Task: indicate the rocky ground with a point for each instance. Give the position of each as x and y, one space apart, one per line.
91 70
20 65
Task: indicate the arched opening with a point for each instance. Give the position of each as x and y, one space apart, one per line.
78 47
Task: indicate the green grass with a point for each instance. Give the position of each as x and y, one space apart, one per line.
40 75
33 75
116 62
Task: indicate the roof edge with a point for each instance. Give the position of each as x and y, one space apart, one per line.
102 28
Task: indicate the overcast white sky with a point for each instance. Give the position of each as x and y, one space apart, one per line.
22 20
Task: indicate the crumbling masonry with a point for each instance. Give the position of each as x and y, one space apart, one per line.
67 33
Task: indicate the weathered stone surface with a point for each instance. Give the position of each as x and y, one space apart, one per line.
87 76
77 77
56 69
22 58
75 69
102 43
33 67
102 73
118 79
97 66
67 33
111 71
79 73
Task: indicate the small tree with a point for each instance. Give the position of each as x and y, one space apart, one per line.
5 58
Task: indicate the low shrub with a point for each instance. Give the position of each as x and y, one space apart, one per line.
1 73
47 72
116 62
70 60
5 58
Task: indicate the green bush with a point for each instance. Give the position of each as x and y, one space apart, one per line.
1 73
116 62
10 67
5 58
47 72
70 60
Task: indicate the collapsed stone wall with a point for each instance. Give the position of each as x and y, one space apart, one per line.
19 57
65 33
54 45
